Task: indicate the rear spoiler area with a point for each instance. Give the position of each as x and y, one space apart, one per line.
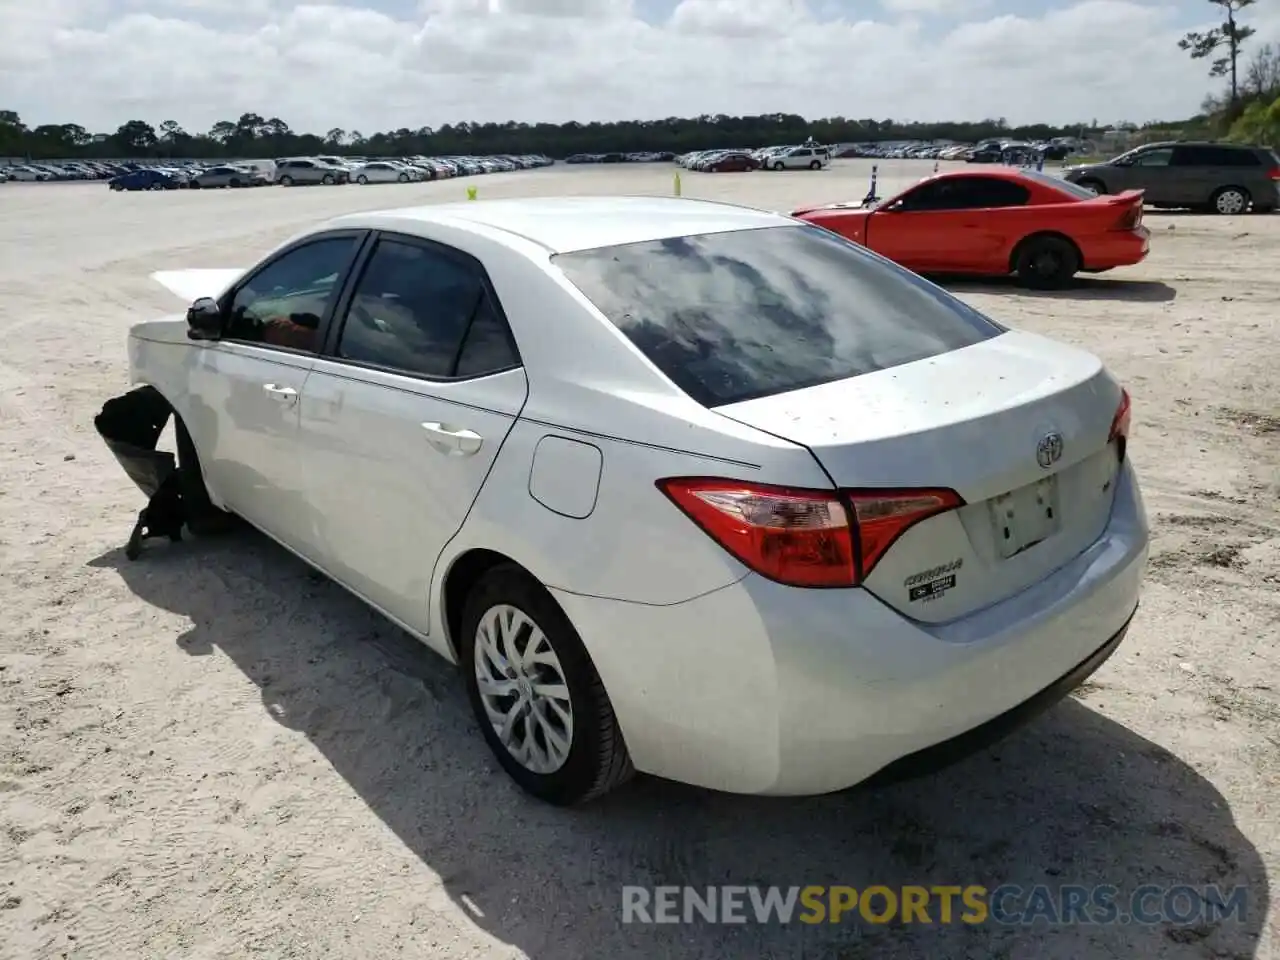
1122 198
1128 204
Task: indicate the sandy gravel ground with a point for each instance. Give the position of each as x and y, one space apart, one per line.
214 753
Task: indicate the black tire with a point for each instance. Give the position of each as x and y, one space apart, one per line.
327 180
203 518
1229 201
815 165
779 165
1097 186
194 185
597 760
286 181
362 180
1046 262
235 183
404 178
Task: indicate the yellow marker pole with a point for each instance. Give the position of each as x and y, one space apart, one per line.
471 193
677 183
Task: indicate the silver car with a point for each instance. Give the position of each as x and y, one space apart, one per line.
304 170
227 176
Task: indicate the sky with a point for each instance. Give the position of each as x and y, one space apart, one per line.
371 65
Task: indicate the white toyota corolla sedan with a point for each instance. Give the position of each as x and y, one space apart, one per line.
683 487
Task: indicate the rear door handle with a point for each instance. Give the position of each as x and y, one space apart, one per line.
453 441
286 395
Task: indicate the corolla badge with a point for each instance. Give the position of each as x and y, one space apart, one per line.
1049 449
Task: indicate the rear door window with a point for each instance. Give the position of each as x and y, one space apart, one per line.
734 316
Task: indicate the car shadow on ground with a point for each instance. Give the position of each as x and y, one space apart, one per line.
1073 799
1081 288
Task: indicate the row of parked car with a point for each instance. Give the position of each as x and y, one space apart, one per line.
660 157
285 171
806 156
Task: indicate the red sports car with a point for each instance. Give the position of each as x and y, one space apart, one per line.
995 223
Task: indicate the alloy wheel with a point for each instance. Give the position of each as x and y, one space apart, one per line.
523 689
1230 201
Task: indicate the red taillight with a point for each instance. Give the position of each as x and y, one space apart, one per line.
1120 423
801 537
1274 173
797 537
883 516
1131 219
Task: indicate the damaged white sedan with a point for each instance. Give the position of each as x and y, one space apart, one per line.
683 487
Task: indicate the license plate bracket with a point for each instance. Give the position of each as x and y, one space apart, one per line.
1024 517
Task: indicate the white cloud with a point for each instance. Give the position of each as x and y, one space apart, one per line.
951 8
101 62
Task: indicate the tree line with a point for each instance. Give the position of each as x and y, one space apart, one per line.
253 135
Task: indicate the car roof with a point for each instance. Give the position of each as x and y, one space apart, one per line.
564 224
993 172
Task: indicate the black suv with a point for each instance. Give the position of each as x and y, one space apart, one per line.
1216 177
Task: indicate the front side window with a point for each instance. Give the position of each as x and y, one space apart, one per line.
734 316
964 193
412 310
284 303
1154 158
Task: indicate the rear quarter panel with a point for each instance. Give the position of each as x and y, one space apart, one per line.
633 543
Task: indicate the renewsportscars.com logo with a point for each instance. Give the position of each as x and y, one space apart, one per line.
1008 904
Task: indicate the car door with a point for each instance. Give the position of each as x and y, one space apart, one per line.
243 412
1194 174
403 417
939 226
1150 171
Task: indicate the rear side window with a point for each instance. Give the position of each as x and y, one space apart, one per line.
751 313
1057 183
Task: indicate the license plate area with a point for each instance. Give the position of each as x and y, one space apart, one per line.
1024 517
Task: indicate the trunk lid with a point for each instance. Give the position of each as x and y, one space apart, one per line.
1019 426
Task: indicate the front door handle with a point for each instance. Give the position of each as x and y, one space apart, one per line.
286 395
453 441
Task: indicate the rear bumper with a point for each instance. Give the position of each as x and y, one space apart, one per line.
1121 248
940 755
761 688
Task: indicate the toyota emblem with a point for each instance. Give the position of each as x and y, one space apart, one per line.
1049 449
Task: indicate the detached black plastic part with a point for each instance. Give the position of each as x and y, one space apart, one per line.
131 426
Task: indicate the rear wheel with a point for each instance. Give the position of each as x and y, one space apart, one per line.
1230 200
235 183
1046 262
541 706
362 180
286 181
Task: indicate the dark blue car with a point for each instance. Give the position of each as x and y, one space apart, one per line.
143 180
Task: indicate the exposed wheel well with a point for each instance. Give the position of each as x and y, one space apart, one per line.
1017 250
462 576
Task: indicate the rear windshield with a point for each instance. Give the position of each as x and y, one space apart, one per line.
736 316
1049 180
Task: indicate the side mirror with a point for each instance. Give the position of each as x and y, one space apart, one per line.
204 319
